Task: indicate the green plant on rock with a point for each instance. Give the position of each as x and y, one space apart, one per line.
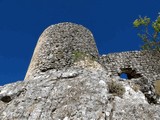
149 32
77 56
157 87
116 88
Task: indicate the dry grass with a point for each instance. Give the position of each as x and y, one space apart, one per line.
116 88
136 87
157 87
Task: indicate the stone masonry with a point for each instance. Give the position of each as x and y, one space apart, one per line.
56 46
141 67
134 63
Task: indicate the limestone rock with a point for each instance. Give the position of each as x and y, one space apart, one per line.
78 93
67 80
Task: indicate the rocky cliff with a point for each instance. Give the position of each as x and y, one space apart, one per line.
68 80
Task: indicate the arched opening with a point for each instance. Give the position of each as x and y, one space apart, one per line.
129 73
124 76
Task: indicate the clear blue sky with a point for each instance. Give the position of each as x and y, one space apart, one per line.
22 22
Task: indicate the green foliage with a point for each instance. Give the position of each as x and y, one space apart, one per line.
150 37
116 88
141 21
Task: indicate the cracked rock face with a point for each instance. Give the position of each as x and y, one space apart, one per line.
56 46
77 93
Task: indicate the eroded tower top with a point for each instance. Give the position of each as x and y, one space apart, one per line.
56 45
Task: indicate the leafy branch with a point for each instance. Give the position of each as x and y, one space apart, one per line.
151 41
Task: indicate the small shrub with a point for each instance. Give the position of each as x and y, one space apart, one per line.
157 87
116 88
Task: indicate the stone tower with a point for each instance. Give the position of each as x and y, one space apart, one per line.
56 46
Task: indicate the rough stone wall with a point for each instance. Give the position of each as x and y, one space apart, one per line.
135 63
142 67
56 46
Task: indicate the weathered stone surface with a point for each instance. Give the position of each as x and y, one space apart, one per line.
145 63
56 46
78 93
142 67
67 80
